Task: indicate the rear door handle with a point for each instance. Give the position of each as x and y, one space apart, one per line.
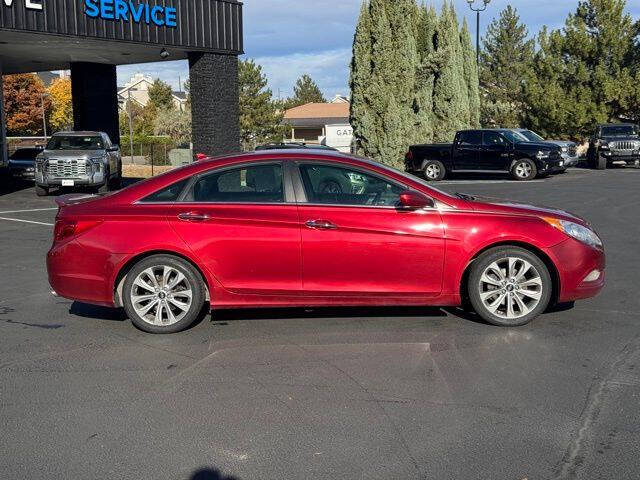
321 225
194 217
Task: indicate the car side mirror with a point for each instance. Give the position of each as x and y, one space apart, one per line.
412 200
114 148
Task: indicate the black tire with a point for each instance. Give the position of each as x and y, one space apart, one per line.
601 163
524 170
434 170
192 280
42 191
501 255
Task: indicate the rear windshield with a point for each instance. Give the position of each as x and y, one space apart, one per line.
75 142
619 131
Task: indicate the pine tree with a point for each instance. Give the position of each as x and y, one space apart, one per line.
506 60
426 20
161 95
470 76
306 90
259 118
360 116
450 98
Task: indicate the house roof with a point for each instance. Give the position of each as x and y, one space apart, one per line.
324 111
47 77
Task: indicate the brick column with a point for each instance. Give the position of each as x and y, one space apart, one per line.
214 103
95 98
3 129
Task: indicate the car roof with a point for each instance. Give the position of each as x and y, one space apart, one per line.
82 133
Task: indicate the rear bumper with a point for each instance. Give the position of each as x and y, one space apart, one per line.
575 262
77 274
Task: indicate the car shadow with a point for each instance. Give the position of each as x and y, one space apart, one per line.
10 185
97 312
210 474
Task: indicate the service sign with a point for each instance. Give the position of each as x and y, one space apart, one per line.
196 25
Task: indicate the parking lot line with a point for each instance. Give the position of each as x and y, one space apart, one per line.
26 221
31 210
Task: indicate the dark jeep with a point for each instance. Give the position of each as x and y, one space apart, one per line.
614 143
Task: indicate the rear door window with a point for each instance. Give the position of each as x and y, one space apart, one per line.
470 139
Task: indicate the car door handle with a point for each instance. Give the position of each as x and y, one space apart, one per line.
321 225
194 217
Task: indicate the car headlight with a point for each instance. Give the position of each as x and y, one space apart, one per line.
98 164
565 149
604 146
542 154
574 230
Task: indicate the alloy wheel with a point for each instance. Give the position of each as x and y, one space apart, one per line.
510 288
523 170
161 295
432 171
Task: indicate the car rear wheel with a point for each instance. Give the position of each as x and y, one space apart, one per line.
509 286
163 294
524 170
42 191
434 170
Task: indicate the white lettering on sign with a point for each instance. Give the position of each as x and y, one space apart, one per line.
30 4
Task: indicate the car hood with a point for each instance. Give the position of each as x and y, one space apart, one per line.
501 206
562 143
538 146
72 153
624 138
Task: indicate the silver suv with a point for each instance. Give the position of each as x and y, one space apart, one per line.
79 159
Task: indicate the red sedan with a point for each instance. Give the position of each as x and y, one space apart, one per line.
300 229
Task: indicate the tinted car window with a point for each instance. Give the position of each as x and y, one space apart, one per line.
252 184
493 138
331 185
168 194
470 138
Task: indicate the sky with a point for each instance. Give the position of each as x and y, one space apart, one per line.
292 37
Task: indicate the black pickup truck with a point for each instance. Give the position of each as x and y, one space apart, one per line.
485 151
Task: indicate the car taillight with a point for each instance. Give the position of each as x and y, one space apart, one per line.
66 228
409 155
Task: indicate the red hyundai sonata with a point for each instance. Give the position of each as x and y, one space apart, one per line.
300 229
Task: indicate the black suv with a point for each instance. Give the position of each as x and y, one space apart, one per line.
485 151
614 143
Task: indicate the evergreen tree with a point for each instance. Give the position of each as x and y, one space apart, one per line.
450 98
506 61
306 90
470 76
161 95
383 79
426 20
260 119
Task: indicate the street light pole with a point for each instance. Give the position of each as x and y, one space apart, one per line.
485 3
44 118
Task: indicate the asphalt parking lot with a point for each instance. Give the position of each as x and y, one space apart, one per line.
326 394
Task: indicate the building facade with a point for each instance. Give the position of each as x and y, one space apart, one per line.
137 90
91 37
321 123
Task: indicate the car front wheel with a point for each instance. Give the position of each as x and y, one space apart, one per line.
163 294
509 286
524 170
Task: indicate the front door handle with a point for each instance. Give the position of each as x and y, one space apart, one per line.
321 225
194 217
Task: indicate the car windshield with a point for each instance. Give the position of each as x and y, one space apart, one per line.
75 142
514 137
531 136
25 154
619 131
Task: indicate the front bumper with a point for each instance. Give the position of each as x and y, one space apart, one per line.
93 180
552 166
28 173
617 156
575 262
570 161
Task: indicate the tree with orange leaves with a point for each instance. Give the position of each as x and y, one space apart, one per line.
24 96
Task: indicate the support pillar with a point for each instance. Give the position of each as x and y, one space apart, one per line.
94 90
214 103
4 154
